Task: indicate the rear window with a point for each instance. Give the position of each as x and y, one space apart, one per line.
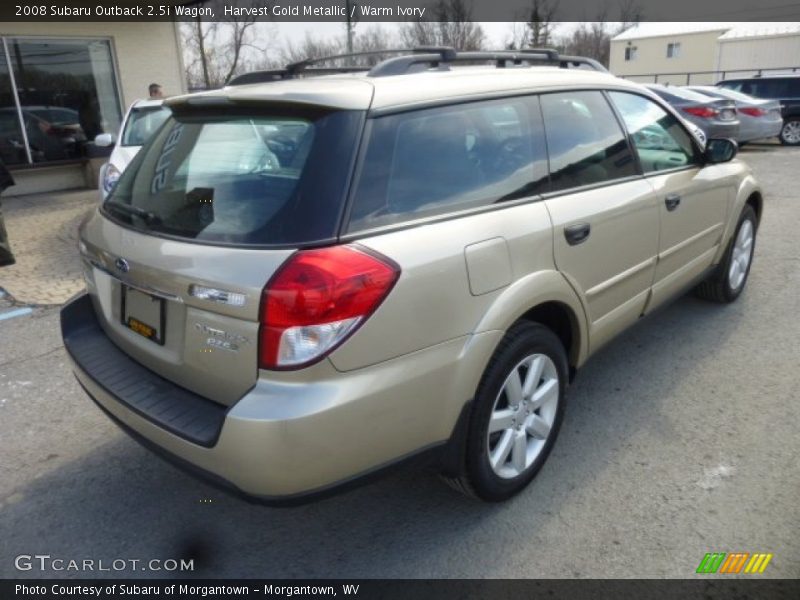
260 179
142 123
440 160
674 93
729 95
766 88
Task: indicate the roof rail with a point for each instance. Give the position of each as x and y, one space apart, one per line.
441 56
279 74
417 59
305 67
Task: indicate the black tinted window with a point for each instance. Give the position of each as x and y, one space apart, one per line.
275 178
661 142
767 87
584 140
438 160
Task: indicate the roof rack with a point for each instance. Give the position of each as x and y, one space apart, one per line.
279 74
419 59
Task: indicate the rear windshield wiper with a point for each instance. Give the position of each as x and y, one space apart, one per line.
148 216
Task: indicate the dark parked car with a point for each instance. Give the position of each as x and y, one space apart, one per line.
715 116
54 133
785 89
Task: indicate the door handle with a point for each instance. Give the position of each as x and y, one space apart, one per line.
672 201
577 234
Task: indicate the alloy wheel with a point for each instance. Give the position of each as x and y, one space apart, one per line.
741 256
791 132
523 416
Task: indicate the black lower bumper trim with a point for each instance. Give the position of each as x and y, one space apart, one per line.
171 407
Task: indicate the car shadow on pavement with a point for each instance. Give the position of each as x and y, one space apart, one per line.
120 501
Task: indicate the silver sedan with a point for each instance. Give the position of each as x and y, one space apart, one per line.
758 118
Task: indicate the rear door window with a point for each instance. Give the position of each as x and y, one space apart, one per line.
263 179
433 161
767 88
660 141
585 142
774 88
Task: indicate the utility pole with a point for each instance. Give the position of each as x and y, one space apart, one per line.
351 24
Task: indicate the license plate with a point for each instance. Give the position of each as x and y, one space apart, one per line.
143 314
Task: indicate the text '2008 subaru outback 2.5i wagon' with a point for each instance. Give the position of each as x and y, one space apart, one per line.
299 282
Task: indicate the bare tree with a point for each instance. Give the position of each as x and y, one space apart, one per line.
215 50
630 14
540 23
452 26
593 39
517 36
420 33
372 38
311 47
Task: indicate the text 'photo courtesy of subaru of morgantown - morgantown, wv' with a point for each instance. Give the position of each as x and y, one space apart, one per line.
304 278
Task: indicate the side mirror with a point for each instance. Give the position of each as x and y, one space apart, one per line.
104 140
720 150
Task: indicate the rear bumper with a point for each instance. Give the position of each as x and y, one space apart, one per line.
718 129
761 130
283 442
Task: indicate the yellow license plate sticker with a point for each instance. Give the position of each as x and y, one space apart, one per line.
141 328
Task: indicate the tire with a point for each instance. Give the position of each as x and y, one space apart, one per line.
726 283
526 346
790 133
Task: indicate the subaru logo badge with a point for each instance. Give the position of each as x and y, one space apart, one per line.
122 265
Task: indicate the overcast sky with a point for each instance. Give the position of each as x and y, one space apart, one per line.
497 33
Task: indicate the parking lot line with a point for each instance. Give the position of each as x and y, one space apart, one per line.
17 312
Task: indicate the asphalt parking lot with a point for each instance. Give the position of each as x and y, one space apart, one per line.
680 438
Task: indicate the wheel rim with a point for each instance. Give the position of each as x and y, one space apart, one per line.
522 416
741 256
791 132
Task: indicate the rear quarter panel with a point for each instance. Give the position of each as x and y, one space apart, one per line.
459 276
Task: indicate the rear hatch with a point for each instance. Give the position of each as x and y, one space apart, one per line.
178 255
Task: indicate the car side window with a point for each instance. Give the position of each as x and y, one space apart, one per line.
585 143
433 161
660 140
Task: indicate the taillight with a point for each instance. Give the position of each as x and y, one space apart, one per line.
753 111
704 112
316 300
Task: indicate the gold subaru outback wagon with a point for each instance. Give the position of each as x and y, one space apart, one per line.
316 273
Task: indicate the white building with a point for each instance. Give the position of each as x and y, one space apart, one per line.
702 53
